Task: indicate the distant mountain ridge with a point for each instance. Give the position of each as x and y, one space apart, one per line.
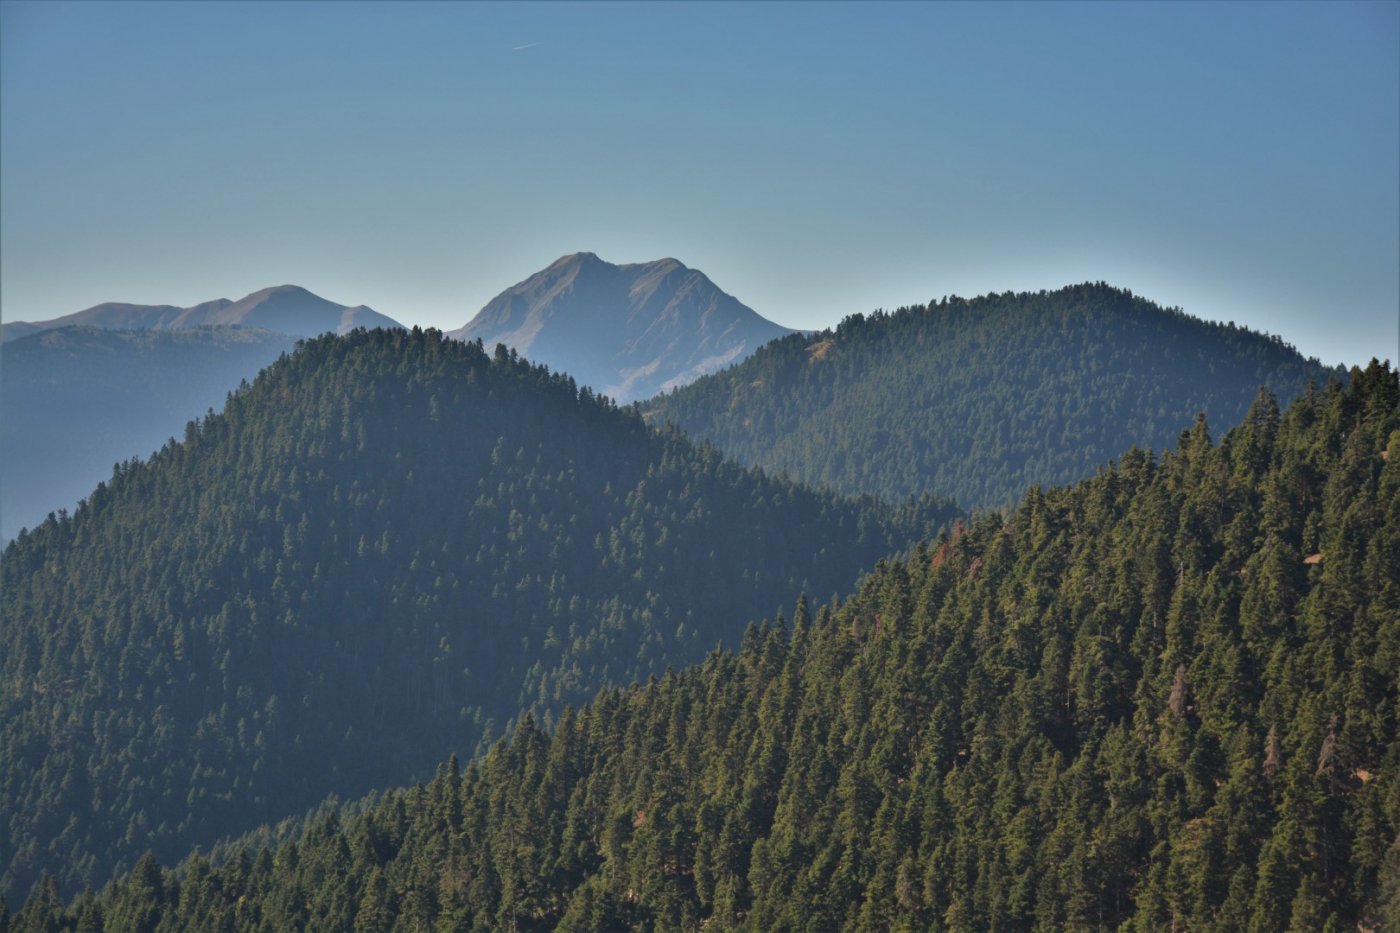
76 400
86 390
979 399
628 331
285 309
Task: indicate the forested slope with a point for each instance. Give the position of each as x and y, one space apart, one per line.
1164 698
978 400
390 539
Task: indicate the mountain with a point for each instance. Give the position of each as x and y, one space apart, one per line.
76 400
386 543
627 331
978 400
86 390
286 309
1162 699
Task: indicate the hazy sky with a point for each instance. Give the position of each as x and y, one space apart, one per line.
1241 161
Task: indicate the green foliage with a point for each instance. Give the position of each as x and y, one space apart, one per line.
1131 704
978 400
388 543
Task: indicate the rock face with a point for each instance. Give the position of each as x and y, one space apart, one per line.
285 309
627 331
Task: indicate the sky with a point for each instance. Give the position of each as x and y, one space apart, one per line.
1239 161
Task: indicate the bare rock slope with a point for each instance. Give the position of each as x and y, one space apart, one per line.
628 331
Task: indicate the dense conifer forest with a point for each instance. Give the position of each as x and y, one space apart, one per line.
1163 698
979 399
376 555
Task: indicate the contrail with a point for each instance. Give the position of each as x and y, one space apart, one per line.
530 45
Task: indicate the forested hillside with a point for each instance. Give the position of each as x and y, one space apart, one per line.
1164 698
978 400
76 400
385 543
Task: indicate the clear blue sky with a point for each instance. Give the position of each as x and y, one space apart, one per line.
1241 161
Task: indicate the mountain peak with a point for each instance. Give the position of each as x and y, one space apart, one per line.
284 309
290 290
573 261
630 331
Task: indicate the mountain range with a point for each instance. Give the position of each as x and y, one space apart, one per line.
627 331
79 403
86 390
975 400
284 309
1147 684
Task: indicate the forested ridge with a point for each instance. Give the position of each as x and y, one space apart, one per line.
1164 698
387 542
979 399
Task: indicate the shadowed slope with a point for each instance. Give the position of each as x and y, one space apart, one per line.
76 400
385 543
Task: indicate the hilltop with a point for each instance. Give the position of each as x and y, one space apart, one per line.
980 399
